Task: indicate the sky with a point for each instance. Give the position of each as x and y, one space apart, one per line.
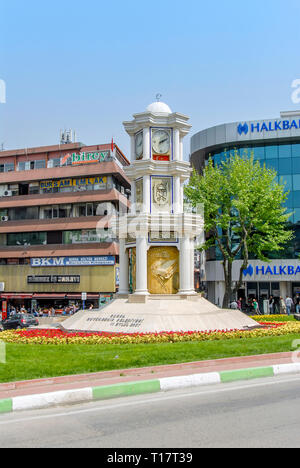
89 65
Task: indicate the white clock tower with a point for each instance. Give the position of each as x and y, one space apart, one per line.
156 291
159 239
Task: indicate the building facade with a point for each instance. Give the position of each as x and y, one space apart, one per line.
55 238
275 143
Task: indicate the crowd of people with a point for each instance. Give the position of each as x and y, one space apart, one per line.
276 305
43 311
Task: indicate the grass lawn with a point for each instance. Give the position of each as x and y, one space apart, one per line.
26 362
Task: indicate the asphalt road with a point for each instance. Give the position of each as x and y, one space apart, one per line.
261 413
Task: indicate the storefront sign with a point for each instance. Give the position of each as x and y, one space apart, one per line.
85 158
100 260
276 270
272 126
62 183
53 279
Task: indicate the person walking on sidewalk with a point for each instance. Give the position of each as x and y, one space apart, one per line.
288 303
297 303
271 305
256 307
282 306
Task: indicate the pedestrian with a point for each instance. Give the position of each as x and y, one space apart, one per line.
288 303
271 305
256 307
282 306
91 307
297 303
240 303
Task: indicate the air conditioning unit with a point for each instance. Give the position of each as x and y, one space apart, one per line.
4 218
7 193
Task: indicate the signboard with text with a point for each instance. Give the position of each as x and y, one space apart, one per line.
53 279
101 260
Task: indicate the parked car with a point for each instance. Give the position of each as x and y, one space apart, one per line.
19 321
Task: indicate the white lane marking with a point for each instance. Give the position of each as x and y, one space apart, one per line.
229 388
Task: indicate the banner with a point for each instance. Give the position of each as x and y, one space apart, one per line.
100 260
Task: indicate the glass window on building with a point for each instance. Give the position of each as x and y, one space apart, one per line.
285 166
297 215
259 152
40 164
284 151
296 166
296 181
272 164
287 182
217 159
296 150
27 238
246 152
296 194
7 167
87 236
29 165
271 152
289 203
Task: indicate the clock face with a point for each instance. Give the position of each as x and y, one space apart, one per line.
139 145
161 141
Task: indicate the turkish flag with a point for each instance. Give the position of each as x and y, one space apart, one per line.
112 144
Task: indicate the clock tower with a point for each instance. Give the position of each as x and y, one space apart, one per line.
157 240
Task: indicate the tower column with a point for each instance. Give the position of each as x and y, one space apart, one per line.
146 143
141 266
185 266
132 147
124 268
177 202
176 144
146 194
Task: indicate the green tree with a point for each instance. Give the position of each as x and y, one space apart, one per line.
243 212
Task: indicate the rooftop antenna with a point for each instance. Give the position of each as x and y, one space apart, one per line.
2 147
67 136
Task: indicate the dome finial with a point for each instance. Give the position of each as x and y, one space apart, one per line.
158 97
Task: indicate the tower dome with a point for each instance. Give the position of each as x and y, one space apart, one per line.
159 107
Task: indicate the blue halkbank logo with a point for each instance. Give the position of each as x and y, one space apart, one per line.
282 270
243 128
272 126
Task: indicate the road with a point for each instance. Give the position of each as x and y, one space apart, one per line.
261 413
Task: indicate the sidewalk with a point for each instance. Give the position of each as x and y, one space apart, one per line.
102 385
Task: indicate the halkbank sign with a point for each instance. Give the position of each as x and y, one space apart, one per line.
271 126
272 270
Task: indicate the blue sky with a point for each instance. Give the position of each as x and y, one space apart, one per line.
90 65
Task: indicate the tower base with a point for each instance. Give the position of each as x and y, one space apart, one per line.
155 314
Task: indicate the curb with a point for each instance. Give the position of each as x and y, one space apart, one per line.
47 400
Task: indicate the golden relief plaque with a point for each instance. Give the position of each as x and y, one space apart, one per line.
163 270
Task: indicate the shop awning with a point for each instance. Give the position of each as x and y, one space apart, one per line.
48 296
16 296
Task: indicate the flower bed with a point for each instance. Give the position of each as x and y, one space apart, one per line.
57 337
273 318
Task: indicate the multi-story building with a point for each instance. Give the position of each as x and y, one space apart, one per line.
55 239
275 143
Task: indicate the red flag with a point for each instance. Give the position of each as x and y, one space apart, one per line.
112 145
